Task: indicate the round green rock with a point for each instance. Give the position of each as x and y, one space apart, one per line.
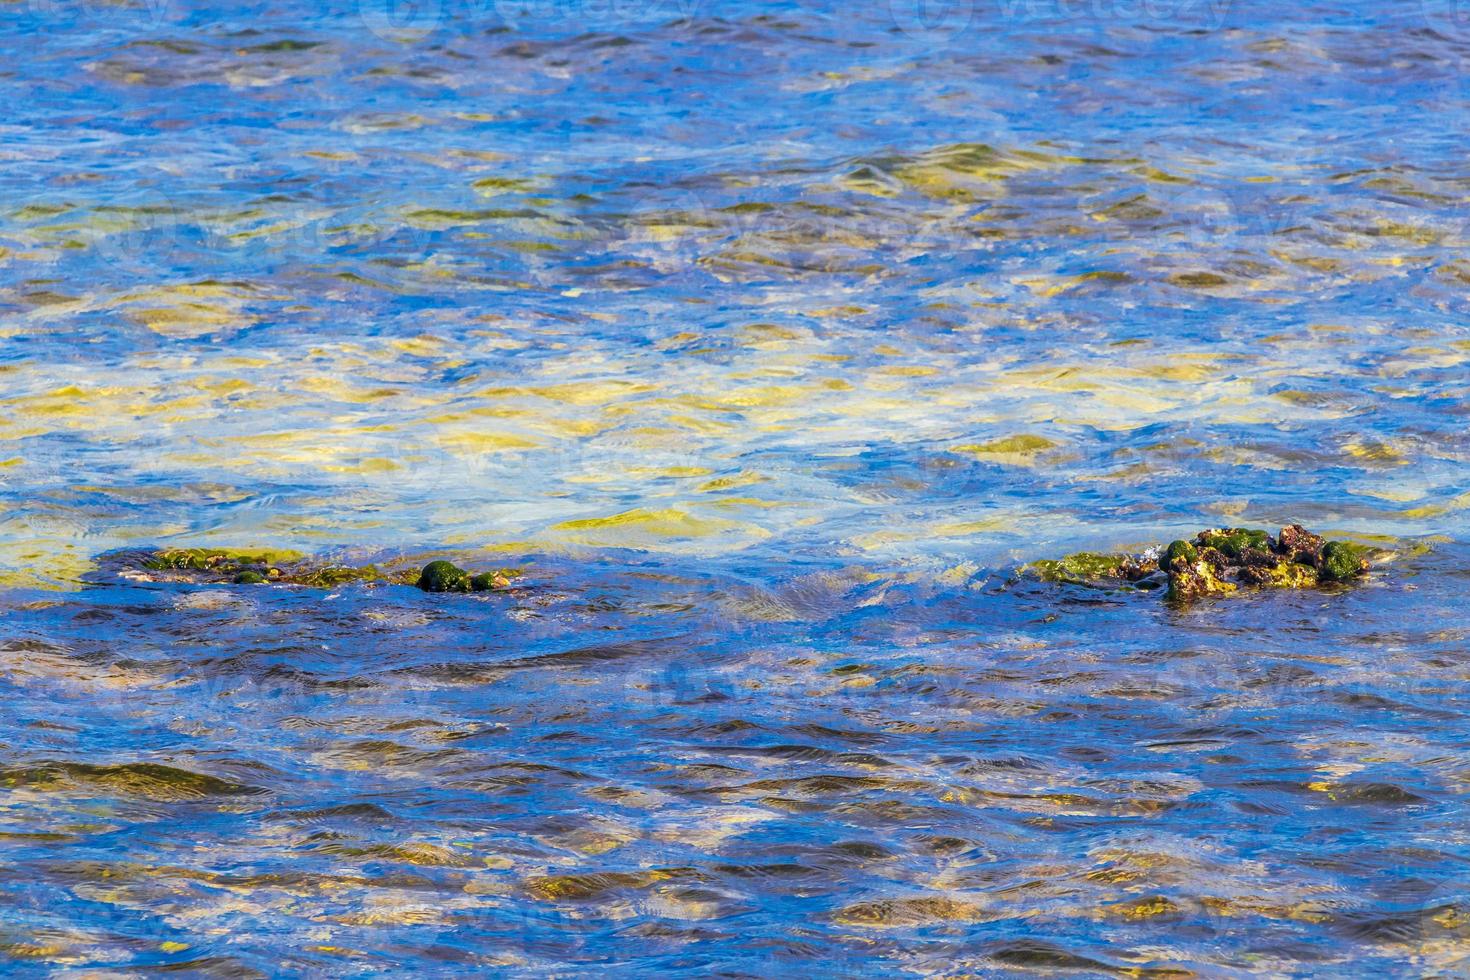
444 576
1180 549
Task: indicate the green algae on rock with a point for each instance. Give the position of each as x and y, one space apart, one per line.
1228 558
1341 561
1218 561
244 566
1179 549
1233 541
445 576
1097 570
486 581
234 566
217 559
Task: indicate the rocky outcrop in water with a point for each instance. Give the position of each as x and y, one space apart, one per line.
228 566
1218 561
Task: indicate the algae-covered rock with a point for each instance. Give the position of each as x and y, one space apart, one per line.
229 560
1231 541
1179 549
208 566
331 576
1094 569
1082 567
1341 562
444 576
1218 561
218 566
487 581
1195 579
1291 575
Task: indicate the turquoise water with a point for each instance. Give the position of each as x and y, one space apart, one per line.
765 340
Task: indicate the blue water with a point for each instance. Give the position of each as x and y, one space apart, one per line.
766 340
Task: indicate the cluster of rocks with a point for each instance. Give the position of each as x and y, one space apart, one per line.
207 566
445 576
1221 560
1218 561
254 567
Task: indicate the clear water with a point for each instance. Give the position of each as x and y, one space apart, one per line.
765 338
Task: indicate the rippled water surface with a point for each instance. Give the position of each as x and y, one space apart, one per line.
766 339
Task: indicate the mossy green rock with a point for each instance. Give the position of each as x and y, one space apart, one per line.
1098 570
1180 549
1233 541
251 577
221 560
1084 567
1341 561
444 576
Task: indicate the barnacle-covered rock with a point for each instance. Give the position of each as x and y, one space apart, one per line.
1192 579
1296 543
1291 575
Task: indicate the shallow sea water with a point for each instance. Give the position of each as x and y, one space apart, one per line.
767 340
